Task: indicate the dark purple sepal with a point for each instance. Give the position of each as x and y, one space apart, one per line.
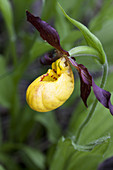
85 91
85 83
103 96
47 32
85 80
85 75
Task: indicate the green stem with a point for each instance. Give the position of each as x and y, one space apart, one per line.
91 112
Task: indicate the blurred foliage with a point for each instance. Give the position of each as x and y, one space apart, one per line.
31 140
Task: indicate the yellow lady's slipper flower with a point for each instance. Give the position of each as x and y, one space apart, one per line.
52 89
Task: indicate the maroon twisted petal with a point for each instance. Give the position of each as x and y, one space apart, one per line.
87 81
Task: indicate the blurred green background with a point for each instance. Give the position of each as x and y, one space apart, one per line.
39 141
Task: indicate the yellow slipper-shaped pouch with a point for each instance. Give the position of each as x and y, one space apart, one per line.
52 89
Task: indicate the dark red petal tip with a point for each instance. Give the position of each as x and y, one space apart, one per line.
28 14
103 96
47 32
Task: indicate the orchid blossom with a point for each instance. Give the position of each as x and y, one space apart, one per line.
52 89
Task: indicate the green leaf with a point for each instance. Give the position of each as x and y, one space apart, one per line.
24 120
49 9
1 167
48 120
69 156
38 49
73 6
19 12
104 15
61 25
6 85
71 37
34 156
107 39
80 112
90 38
8 162
102 24
8 147
5 7
100 125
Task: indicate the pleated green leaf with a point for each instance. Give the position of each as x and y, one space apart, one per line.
69 156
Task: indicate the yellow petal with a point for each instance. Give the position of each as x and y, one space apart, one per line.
52 89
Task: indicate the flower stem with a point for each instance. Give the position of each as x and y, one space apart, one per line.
91 112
